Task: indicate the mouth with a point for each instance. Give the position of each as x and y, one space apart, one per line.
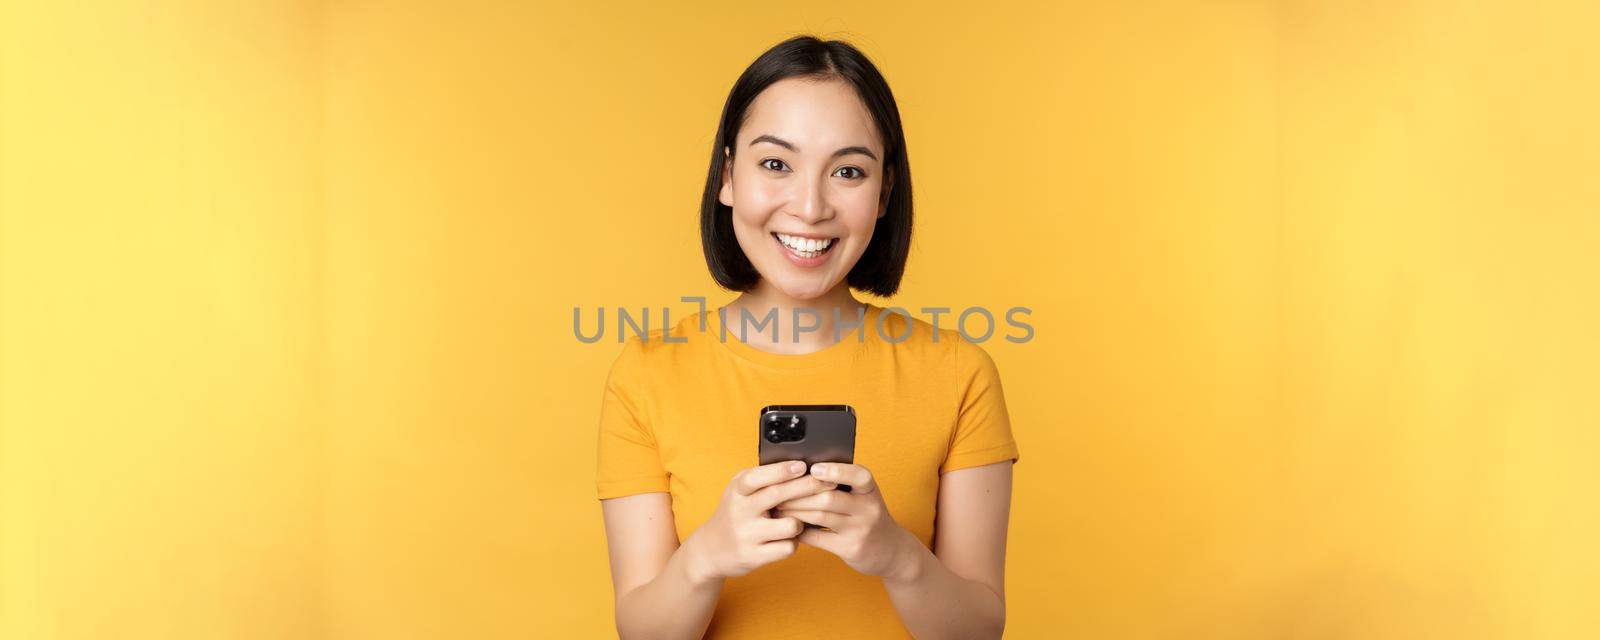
803 250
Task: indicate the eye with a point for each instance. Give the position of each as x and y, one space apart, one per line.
775 164
858 173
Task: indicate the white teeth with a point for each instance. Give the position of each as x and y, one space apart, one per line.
806 247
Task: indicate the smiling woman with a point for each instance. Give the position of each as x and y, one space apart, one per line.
777 183
808 196
810 130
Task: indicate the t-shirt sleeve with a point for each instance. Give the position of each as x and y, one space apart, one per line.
983 426
629 461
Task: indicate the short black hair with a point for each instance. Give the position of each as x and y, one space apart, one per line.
883 263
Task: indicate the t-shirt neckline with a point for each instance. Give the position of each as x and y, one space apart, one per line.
849 344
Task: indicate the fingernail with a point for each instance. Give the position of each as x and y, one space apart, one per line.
819 469
797 466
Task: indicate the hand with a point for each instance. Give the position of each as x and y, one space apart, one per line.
740 537
861 532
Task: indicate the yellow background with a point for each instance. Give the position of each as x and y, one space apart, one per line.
286 293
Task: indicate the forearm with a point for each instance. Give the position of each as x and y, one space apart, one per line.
678 603
934 602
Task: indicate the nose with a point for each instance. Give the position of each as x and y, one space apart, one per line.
812 206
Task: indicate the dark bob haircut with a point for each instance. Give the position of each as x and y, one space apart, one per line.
879 269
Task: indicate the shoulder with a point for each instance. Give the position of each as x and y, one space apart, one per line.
661 347
940 346
898 326
975 369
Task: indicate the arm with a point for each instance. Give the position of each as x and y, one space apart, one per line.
664 590
656 594
958 589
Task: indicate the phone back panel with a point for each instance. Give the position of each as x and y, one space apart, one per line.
830 435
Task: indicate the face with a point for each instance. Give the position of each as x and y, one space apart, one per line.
807 184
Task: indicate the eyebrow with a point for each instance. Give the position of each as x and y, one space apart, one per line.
790 146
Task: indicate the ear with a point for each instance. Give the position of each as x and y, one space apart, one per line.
888 188
725 195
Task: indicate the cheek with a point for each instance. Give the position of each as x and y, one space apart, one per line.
760 193
758 200
860 212
754 203
868 196
747 215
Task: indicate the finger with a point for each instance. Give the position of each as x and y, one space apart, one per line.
834 501
771 496
827 519
776 550
780 528
756 478
825 540
855 475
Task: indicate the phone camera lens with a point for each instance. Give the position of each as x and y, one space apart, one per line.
784 428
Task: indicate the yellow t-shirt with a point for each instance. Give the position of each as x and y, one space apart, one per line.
682 418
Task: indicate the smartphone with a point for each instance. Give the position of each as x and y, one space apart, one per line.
809 432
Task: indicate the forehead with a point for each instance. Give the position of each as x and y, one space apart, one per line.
816 115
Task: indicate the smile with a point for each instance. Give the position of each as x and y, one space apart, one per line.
806 249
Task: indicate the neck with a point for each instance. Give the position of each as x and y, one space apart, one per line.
765 298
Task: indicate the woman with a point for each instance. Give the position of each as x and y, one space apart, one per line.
808 196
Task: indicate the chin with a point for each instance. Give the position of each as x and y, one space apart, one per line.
804 290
